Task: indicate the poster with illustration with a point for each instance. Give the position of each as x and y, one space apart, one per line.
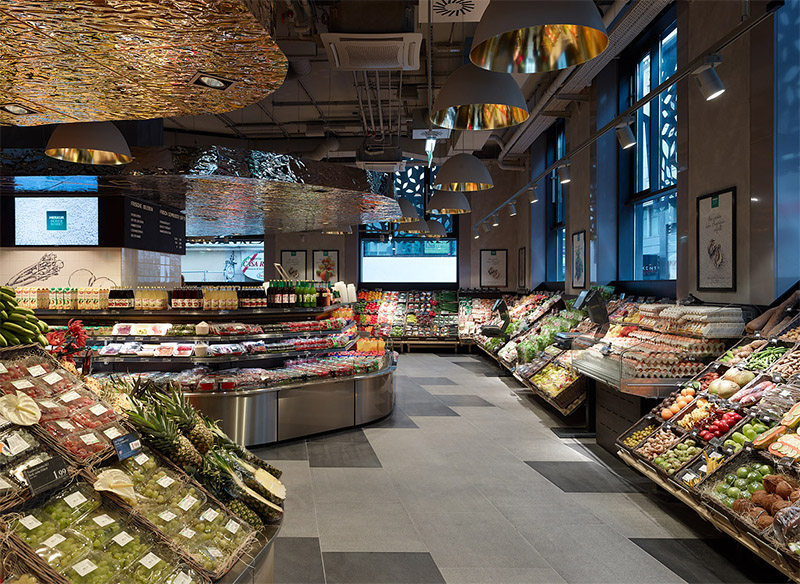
326 266
716 241
494 268
579 259
294 262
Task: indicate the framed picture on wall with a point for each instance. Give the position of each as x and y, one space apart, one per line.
325 264
522 278
579 259
294 262
716 240
494 268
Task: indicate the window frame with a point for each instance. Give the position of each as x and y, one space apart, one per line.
556 193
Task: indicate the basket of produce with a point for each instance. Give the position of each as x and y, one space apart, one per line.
677 456
561 385
788 367
674 402
633 436
657 444
763 359
690 476
778 400
791 332
742 351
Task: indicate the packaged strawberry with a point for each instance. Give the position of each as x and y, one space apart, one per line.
94 416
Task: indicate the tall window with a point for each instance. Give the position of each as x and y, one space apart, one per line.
649 174
556 231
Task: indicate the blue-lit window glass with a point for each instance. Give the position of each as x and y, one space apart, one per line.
561 254
668 113
643 125
655 238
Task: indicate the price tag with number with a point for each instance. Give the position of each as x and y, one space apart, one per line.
47 475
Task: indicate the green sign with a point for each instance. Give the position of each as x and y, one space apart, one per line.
715 201
56 221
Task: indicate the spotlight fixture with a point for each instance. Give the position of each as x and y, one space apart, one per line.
625 134
435 229
408 212
512 208
533 196
495 220
430 146
17 109
476 235
486 227
537 37
89 143
475 99
211 81
564 174
448 203
463 172
707 79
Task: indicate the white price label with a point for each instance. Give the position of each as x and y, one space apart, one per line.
187 502
786 393
702 469
98 410
165 482
209 515
84 567
112 432
103 520
188 533
89 439
70 396
122 539
233 526
4 486
36 370
30 522
149 561
54 540
48 404
182 578
75 499
3 369
215 552
21 383
140 459
15 444
167 516
65 425
52 378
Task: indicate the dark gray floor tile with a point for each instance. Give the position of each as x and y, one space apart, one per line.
381 568
298 560
397 419
586 477
350 436
479 367
333 454
707 561
434 381
293 450
464 400
510 381
432 408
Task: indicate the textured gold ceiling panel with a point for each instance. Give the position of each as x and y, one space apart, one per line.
102 60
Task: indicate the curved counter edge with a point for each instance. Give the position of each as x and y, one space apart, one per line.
262 416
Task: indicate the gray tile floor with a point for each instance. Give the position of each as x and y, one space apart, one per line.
465 483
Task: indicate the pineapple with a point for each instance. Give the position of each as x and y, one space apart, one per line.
222 440
258 479
244 513
239 490
187 419
163 435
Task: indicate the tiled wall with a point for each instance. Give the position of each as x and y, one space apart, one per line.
150 268
60 267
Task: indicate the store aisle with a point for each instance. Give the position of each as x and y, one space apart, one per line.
466 483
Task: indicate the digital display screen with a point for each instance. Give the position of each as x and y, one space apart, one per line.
404 269
56 221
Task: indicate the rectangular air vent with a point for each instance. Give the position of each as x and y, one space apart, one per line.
373 52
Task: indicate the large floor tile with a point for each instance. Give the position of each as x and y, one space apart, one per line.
298 560
345 450
397 419
719 560
501 576
433 380
381 568
464 400
294 450
584 477
480 539
300 517
337 485
431 490
367 526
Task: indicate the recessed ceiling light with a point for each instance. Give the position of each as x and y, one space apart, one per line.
16 109
212 81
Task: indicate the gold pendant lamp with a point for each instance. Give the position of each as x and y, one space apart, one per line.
463 172
448 203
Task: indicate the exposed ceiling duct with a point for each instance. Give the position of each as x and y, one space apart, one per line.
572 81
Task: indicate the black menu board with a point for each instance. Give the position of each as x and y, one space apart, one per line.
171 231
141 225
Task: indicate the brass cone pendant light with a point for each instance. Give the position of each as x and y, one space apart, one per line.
89 143
419 226
538 36
408 210
436 229
448 203
463 172
475 99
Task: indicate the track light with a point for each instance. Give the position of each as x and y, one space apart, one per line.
495 220
564 174
533 196
476 235
512 208
625 134
486 227
707 79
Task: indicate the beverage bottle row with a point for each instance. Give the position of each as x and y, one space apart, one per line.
121 298
151 299
220 299
33 297
187 298
286 294
252 297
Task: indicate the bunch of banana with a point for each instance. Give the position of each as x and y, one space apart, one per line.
18 326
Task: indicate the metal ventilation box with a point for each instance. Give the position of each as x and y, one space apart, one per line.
373 52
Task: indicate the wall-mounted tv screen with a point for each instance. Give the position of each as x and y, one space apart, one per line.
56 221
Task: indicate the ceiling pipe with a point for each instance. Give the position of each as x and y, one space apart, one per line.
549 93
323 149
